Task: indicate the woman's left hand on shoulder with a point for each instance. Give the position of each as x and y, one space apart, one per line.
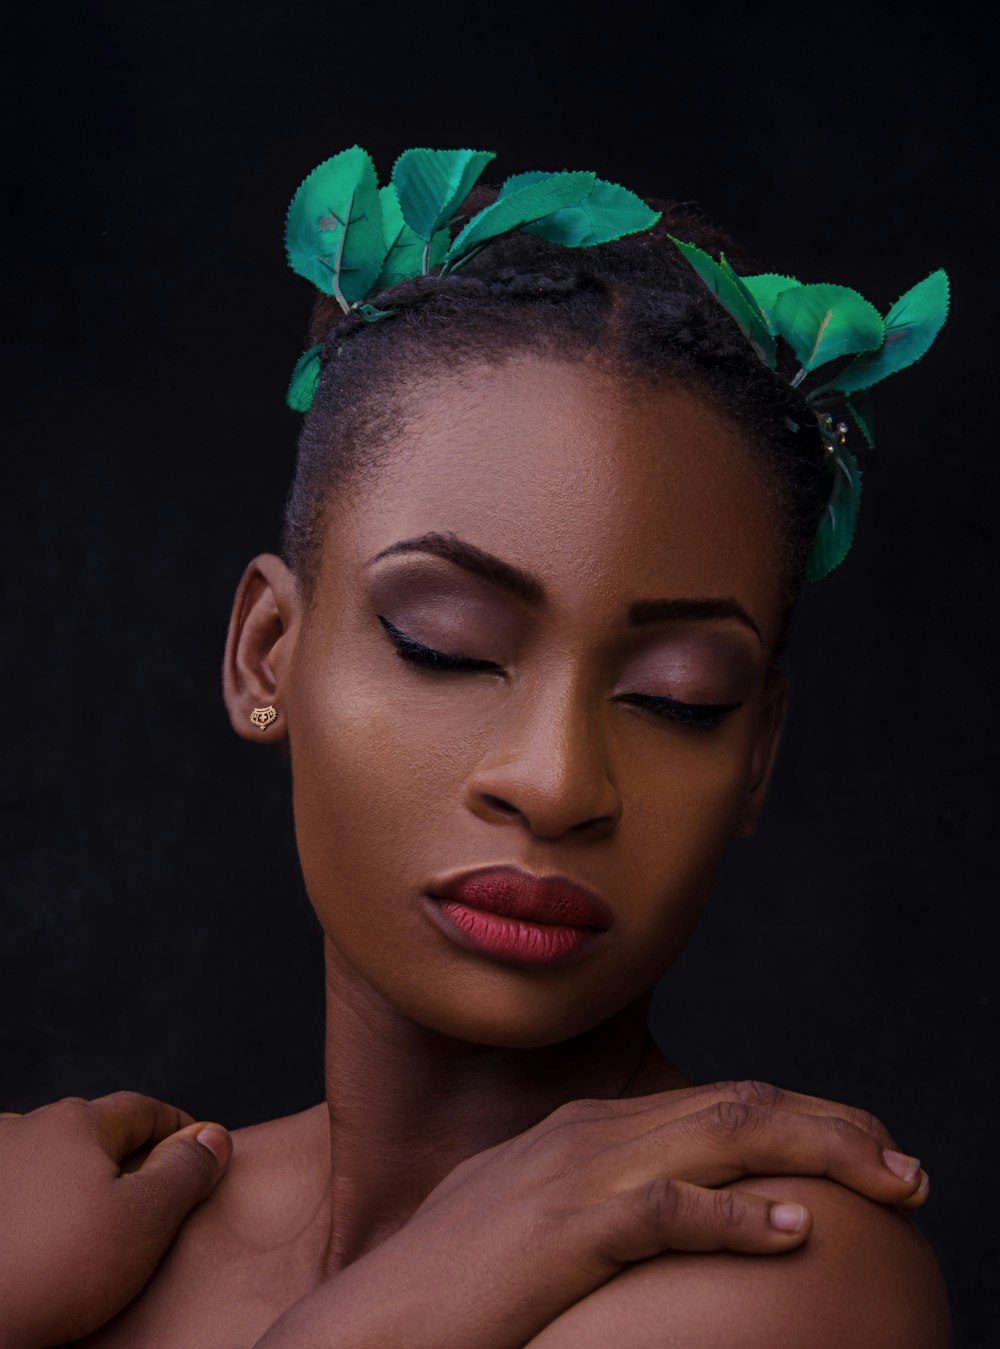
864 1278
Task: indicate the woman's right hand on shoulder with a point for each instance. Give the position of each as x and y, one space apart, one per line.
516 1234
81 1230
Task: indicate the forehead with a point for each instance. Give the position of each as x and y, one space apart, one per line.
607 489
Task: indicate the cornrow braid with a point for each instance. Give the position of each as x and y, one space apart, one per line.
635 304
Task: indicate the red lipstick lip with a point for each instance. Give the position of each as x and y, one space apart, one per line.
515 892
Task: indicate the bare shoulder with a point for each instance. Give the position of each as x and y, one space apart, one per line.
864 1279
242 1255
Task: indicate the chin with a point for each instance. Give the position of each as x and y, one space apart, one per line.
508 1008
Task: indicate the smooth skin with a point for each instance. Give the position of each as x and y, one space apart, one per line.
448 1191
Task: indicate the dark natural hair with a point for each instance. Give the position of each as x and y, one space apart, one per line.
635 305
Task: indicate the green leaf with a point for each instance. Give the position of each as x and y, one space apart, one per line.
432 184
518 180
765 288
911 326
404 248
333 230
305 378
734 297
863 416
822 322
522 206
760 333
608 212
836 529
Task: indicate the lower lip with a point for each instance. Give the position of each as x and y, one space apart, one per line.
510 938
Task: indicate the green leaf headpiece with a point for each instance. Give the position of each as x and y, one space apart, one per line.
354 239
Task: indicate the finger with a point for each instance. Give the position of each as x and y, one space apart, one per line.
127 1120
751 1092
149 1205
919 1195
729 1140
196 1140
180 1171
669 1214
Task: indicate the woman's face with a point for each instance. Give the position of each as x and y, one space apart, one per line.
608 493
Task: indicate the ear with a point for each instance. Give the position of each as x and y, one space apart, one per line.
765 752
262 630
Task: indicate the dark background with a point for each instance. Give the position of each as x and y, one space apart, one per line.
155 931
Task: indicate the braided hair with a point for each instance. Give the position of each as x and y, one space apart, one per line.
634 304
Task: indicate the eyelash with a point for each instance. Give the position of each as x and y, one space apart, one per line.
702 716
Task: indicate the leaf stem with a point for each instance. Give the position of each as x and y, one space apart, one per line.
340 256
454 266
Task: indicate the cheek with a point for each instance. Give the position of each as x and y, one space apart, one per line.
376 784
681 811
355 783
695 797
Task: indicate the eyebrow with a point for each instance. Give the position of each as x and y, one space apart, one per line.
530 590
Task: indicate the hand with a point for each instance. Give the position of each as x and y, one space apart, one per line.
83 1228
516 1234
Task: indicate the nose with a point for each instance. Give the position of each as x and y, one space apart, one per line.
548 766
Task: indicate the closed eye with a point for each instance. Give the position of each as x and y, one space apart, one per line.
689 714
702 715
418 654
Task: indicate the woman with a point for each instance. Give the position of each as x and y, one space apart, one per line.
550 517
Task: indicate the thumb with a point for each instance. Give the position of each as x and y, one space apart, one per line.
184 1168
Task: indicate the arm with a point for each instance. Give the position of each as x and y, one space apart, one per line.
864 1279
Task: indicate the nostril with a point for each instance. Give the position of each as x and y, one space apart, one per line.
499 804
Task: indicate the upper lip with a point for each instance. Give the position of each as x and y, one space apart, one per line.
512 890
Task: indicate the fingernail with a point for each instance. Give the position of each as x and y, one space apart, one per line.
919 1195
921 1191
215 1138
900 1165
787 1217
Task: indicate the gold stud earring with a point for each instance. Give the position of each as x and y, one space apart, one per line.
263 716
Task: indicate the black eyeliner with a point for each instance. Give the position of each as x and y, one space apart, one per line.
418 654
700 715
689 714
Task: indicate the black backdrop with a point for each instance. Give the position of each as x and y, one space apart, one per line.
155 932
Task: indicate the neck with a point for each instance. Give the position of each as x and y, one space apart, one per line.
406 1104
